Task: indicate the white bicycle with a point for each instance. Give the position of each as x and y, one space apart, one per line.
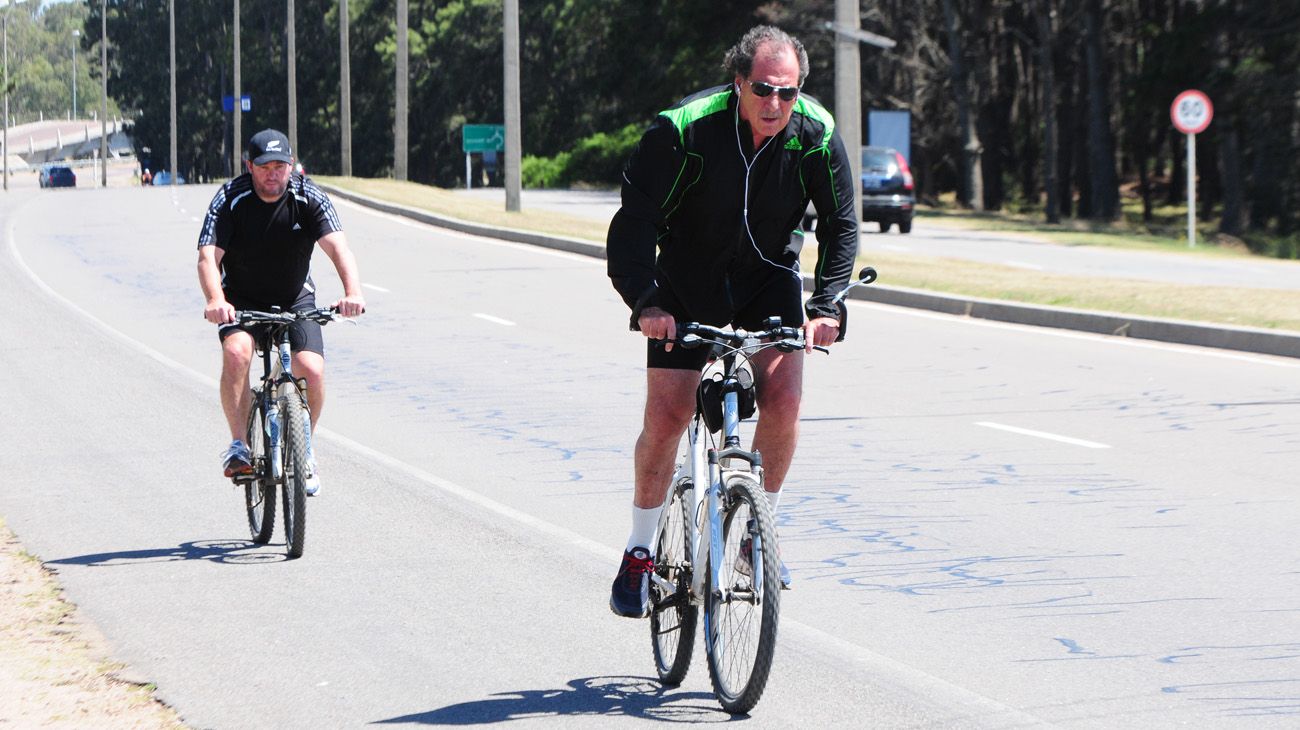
717 545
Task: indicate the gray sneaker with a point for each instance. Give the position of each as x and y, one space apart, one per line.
312 482
237 461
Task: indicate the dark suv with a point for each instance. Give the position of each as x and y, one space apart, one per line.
888 192
57 176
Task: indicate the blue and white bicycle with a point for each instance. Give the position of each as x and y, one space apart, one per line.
717 543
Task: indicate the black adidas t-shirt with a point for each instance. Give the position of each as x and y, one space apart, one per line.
268 246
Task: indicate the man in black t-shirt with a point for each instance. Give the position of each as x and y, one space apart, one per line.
255 253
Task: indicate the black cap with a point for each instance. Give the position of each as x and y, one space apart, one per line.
269 145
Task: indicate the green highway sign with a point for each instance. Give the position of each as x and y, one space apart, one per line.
483 137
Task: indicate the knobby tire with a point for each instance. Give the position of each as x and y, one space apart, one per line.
740 633
259 494
673 617
296 430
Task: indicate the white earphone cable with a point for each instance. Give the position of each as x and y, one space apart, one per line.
749 164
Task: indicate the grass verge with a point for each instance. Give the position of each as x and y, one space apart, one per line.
54 669
1276 309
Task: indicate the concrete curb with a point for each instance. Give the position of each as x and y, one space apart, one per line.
1244 339
572 245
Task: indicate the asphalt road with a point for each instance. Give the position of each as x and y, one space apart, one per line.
988 525
1003 248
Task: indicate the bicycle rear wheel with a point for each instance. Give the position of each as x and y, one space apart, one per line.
296 430
259 494
673 617
741 613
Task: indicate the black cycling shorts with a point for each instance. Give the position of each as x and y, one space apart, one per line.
780 296
304 335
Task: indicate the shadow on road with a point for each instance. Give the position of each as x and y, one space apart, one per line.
218 551
592 696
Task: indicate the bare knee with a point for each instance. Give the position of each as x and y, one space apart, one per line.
669 405
779 402
310 366
236 354
666 421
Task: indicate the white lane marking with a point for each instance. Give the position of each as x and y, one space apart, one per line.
1023 265
914 681
92 319
1043 435
895 247
495 320
375 288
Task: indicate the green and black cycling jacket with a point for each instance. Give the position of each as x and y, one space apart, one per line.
684 195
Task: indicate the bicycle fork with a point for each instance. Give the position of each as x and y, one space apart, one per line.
281 373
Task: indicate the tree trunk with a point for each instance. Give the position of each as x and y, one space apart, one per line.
1230 177
1047 69
1101 156
971 184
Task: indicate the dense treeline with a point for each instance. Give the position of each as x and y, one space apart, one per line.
41 64
1060 107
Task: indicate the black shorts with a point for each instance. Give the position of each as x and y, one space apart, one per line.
781 295
303 334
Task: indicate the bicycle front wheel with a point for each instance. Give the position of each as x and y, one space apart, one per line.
672 615
259 494
296 429
741 612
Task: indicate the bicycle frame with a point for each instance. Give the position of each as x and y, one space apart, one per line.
704 536
276 371
716 544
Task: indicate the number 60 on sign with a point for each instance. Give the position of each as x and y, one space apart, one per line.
1191 112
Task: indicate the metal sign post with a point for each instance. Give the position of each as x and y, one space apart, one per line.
1191 113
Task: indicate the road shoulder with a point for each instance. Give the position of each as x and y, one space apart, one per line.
55 669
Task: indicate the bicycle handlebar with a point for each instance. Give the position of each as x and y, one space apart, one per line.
785 339
322 315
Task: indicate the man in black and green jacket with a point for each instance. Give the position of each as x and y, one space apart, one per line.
709 231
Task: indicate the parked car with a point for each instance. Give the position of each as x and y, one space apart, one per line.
888 190
57 176
163 177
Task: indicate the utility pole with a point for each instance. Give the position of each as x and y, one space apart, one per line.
401 94
5 146
345 92
848 79
76 35
103 103
292 50
848 85
237 138
171 10
512 104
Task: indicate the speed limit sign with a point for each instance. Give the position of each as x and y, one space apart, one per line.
1191 112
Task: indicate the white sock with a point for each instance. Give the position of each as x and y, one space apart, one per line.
773 499
644 524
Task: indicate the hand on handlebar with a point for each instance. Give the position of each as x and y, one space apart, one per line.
820 332
351 306
222 312
657 324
